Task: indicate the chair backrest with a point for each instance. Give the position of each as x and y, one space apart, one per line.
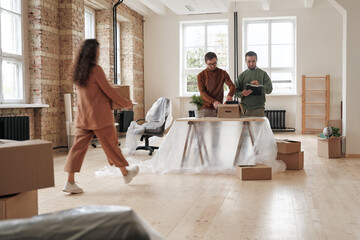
158 114
159 111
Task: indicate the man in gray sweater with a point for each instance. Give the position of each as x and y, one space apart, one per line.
255 104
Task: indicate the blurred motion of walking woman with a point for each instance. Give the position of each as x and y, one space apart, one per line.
94 115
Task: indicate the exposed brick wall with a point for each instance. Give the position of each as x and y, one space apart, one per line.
131 48
71 34
104 32
132 56
55 31
44 76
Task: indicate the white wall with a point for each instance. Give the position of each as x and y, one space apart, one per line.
351 79
162 58
319 52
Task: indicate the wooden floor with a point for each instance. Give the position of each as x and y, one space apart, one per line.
320 202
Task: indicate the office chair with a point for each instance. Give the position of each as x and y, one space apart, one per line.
151 131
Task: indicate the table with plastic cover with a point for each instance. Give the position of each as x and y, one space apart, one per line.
194 130
215 145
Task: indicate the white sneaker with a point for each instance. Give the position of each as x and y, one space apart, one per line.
131 174
72 188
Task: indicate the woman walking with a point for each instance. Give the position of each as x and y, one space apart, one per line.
94 115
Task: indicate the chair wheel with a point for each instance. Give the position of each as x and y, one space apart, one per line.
94 145
150 153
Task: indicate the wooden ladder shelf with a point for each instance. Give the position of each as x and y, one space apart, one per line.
317 110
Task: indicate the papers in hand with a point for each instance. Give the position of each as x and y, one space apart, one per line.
256 89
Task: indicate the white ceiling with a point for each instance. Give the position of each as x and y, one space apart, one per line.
185 7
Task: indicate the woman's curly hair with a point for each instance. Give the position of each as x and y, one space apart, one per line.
85 61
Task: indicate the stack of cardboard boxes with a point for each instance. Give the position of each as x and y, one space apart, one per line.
290 152
24 167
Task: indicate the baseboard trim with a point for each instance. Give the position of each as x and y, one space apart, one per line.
352 155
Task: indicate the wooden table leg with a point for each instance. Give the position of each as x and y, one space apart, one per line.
251 136
186 142
201 143
244 127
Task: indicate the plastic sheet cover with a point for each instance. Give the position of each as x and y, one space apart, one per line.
214 143
155 118
90 222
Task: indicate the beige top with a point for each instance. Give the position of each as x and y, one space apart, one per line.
94 102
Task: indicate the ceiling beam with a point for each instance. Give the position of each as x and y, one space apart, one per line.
155 5
137 7
266 5
309 3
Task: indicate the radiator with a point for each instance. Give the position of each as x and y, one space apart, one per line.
276 118
15 128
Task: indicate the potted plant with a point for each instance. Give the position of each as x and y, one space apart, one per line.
198 102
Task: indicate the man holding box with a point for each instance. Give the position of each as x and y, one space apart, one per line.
211 83
252 85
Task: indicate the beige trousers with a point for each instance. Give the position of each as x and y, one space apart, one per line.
108 140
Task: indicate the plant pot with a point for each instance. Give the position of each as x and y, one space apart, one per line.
199 113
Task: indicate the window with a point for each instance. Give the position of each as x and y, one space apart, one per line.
11 53
274 42
198 39
89 23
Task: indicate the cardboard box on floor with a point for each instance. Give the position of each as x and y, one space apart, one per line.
288 146
335 123
124 91
21 205
25 166
257 172
228 111
329 148
293 161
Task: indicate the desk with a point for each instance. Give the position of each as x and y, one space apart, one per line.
215 145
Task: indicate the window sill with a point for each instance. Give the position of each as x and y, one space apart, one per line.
186 96
23 105
283 95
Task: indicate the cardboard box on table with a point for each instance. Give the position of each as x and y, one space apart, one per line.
25 166
124 91
257 172
288 146
21 205
293 161
228 111
329 148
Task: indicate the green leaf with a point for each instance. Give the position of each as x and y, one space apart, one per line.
197 101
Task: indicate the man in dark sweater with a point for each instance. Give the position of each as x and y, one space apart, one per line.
211 83
255 104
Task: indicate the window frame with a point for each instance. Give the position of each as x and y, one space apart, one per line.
15 58
192 71
270 69
92 23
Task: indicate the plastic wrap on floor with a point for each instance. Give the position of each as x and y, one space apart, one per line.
90 222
